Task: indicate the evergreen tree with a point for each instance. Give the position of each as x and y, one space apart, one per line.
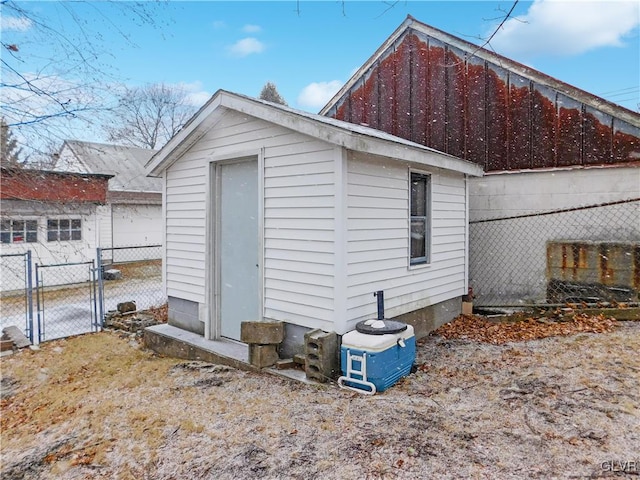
9 151
270 94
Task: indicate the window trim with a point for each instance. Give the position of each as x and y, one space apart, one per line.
24 232
426 219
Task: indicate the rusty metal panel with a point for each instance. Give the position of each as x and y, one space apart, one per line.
497 118
426 90
436 129
597 137
386 88
569 133
403 97
370 96
476 110
626 141
455 102
356 107
419 106
519 122
543 127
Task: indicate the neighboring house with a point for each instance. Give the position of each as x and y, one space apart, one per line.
544 145
133 215
53 214
277 214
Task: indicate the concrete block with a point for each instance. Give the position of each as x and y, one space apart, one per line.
14 334
300 359
263 355
262 333
322 359
112 274
467 308
286 363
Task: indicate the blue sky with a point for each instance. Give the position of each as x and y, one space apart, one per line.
309 49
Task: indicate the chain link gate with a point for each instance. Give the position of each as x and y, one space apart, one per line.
16 292
66 300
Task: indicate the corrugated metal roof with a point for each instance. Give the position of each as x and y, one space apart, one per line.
126 164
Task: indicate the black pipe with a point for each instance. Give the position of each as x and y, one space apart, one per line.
380 296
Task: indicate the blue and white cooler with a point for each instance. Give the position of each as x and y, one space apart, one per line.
376 355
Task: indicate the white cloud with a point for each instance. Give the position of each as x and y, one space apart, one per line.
17 24
246 46
567 27
317 94
196 95
252 28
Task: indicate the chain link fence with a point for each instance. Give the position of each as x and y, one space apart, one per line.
588 254
131 274
16 292
66 300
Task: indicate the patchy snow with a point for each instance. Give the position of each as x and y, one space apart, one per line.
99 406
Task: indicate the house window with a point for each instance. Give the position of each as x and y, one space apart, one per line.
420 229
18 231
64 229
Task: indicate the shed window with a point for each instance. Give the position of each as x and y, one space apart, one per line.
420 229
64 229
18 231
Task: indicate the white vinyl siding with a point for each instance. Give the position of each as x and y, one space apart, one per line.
299 224
298 218
378 239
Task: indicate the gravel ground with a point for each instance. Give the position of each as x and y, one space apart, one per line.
100 406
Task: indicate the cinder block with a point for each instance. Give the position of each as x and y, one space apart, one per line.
322 356
262 333
262 355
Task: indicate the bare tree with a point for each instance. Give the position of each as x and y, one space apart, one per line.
55 70
270 94
9 151
149 116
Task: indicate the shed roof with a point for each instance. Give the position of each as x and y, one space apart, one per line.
125 164
353 137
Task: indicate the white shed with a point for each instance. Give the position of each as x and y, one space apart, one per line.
276 214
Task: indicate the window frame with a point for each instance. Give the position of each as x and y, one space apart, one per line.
426 219
10 234
66 229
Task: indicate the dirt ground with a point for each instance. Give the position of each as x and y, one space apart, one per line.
100 406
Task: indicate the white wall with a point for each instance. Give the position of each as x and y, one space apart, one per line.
298 218
508 257
378 240
48 253
506 194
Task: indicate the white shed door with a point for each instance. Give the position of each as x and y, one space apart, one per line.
239 295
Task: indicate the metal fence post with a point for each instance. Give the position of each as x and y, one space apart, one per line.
29 288
100 274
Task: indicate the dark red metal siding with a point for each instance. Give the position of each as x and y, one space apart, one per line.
430 92
436 130
476 113
455 102
543 127
497 118
597 137
53 187
519 129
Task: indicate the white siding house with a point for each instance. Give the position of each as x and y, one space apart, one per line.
277 214
133 213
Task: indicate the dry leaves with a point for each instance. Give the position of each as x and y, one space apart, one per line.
471 327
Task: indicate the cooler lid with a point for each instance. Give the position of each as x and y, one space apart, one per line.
380 327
